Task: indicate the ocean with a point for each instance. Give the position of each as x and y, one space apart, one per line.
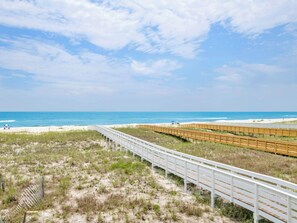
32 119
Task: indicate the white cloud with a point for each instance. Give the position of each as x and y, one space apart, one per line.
254 17
160 26
105 27
157 68
84 72
88 81
103 82
254 74
55 66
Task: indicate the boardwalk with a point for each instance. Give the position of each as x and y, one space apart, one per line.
260 125
269 198
245 129
272 146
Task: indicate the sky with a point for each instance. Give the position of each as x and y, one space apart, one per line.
148 55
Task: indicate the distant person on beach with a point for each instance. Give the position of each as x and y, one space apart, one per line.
7 126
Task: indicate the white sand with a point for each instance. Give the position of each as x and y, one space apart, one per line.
69 128
44 129
275 120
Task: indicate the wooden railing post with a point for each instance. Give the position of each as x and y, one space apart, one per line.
185 176
198 176
289 215
166 170
256 209
213 189
232 189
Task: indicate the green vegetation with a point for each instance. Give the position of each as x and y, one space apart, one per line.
280 138
274 165
49 137
226 208
128 167
84 181
287 122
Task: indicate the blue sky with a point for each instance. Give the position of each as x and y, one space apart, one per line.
153 55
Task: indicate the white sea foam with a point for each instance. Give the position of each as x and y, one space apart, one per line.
7 121
214 118
197 118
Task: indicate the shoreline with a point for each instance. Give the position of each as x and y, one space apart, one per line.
43 129
264 121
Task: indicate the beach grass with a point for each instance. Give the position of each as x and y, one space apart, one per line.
266 163
287 122
87 182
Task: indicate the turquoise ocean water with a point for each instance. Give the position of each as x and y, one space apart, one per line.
31 119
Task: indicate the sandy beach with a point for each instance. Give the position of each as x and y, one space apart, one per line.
266 121
82 153
73 127
44 129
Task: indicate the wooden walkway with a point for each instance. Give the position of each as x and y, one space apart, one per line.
272 202
244 129
272 146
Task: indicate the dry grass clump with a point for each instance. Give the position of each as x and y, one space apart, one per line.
189 209
287 122
87 182
266 163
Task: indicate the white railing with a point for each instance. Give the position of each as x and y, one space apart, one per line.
272 181
266 201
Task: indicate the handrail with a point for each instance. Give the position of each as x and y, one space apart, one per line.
259 125
244 129
265 201
272 146
286 185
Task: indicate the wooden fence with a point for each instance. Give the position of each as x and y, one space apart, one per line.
244 129
258 125
29 198
273 146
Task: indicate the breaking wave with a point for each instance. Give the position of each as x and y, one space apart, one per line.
7 121
214 118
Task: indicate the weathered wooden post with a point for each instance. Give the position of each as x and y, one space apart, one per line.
24 218
2 183
42 186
